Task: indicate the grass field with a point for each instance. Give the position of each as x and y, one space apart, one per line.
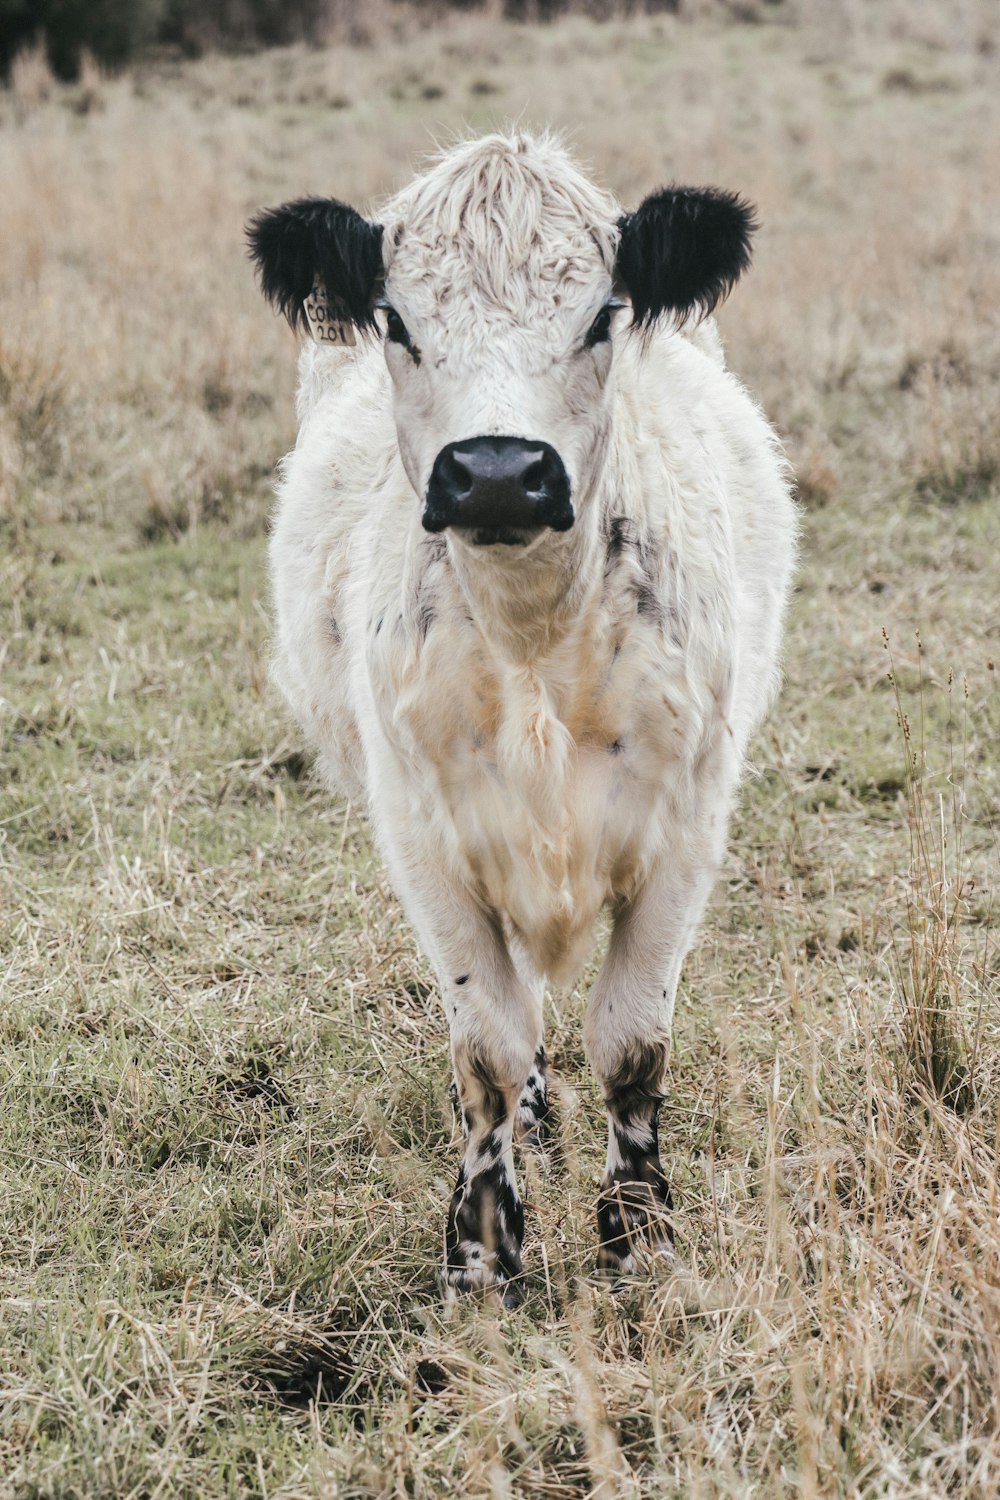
226 1147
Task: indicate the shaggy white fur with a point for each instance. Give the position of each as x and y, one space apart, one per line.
537 732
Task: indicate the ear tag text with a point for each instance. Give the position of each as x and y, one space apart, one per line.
326 324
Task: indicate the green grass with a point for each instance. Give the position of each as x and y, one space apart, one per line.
226 1148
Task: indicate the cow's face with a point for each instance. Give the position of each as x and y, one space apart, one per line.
500 355
499 284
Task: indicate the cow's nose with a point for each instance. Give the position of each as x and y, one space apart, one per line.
497 488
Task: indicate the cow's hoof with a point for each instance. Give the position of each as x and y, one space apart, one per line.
633 1223
644 1259
536 1141
477 1275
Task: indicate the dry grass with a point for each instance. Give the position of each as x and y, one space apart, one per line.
225 1144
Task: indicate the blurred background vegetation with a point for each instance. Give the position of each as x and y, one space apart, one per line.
114 32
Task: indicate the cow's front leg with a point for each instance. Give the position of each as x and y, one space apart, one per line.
495 1021
628 1024
485 1220
634 1205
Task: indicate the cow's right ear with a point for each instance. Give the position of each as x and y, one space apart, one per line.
318 242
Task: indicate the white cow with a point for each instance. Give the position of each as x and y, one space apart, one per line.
530 562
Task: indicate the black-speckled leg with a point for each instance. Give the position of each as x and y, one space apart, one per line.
486 1220
635 1203
627 1029
533 1105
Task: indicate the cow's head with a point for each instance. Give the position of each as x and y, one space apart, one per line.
497 280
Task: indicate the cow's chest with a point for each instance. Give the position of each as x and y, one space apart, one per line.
551 786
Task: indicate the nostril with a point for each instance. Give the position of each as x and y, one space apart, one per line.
456 476
534 478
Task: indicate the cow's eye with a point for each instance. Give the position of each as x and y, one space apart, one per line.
397 332
395 329
600 329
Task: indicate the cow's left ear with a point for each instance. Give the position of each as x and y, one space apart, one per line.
324 251
682 251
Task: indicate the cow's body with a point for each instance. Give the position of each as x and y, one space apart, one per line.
543 731
550 785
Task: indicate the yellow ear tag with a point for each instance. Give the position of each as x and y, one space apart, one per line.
325 323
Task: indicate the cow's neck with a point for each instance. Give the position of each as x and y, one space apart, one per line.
525 603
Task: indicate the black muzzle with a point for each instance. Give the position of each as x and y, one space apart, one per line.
497 489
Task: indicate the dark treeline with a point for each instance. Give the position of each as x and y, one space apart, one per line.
116 31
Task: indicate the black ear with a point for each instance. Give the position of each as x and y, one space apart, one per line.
317 239
683 250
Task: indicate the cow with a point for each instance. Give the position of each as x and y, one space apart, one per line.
530 561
